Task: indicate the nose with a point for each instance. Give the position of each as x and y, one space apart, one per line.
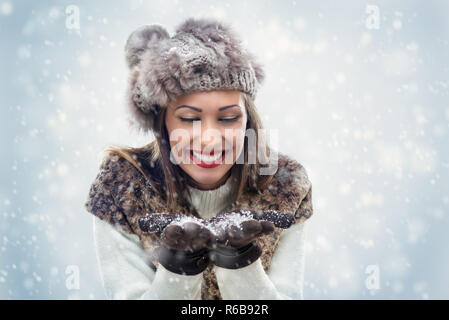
211 136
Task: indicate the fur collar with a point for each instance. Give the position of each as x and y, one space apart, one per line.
288 188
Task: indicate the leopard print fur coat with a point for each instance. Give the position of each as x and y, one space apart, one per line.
120 195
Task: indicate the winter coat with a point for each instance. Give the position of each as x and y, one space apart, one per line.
121 195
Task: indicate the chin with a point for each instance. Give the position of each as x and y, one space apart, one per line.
206 176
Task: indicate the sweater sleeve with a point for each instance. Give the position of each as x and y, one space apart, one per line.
126 273
284 280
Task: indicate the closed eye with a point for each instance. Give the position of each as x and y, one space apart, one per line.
222 119
189 119
230 119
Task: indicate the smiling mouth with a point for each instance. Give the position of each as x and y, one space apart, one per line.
207 161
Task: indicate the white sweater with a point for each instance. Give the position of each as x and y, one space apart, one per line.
126 274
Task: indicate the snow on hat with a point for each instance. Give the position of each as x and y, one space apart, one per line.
203 55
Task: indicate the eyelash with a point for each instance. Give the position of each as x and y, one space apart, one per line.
224 120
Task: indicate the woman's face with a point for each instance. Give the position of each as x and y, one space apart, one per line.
201 125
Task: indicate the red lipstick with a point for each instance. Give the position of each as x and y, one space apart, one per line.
207 165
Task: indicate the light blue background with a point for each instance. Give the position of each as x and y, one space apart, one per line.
364 110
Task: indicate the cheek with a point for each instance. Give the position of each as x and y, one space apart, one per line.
237 138
236 135
240 133
179 141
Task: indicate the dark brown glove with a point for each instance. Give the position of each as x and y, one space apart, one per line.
156 222
185 241
237 231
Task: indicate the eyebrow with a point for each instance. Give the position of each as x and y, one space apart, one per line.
199 110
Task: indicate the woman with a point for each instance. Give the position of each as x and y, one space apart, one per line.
207 210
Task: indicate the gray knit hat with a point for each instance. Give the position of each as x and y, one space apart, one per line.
203 55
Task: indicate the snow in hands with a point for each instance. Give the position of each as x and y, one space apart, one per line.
279 219
219 225
157 222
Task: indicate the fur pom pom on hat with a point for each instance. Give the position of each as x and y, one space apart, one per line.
203 55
